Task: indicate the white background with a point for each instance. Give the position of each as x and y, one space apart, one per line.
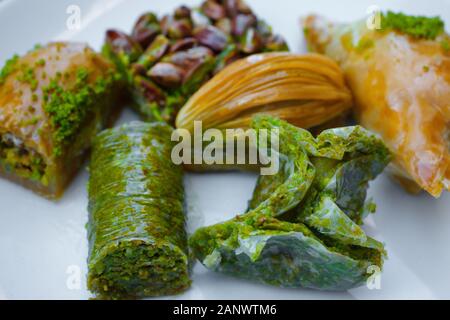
40 241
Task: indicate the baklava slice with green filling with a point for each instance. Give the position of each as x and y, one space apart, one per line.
53 101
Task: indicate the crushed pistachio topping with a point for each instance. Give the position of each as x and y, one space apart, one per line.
37 46
138 244
28 76
303 224
364 43
40 63
9 67
68 108
419 27
445 45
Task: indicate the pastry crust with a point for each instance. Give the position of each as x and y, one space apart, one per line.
401 89
38 89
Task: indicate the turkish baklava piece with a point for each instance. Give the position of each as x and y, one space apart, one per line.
53 101
137 239
399 75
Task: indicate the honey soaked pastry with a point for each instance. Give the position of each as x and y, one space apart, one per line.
306 90
400 78
53 101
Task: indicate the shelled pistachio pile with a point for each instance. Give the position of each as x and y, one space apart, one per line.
166 60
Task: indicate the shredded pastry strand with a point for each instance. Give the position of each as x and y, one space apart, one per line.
306 90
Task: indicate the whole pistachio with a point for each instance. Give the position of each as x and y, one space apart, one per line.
176 29
188 58
138 69
263 28
227 56
155 51
199 19
241 23
211 37
242 7
123 44
276 43
251 42
197 74
213 10
231 7
148 90
234 7
183 44
196 63
225 25
166 74
146 29
182 12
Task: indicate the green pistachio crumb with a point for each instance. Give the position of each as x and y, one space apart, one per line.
69 108
419 27
34 120
363 44
40 63
445 45
82 76
10 66
27 76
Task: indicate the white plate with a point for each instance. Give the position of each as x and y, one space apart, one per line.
43 245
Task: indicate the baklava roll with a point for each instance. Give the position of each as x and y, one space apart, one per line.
137 237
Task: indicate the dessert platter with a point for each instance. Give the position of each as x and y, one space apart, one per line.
224 149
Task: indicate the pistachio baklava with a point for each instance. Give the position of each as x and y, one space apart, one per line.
53 101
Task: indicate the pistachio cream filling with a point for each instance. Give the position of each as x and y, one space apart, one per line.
17 158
